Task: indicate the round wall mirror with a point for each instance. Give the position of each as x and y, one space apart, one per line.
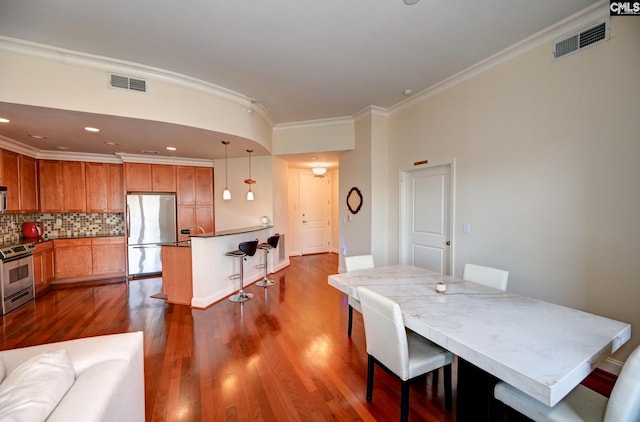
354 200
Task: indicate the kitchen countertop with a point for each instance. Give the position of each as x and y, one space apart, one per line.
232 231
36 240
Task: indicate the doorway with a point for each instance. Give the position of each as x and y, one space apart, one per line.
315 213
426 218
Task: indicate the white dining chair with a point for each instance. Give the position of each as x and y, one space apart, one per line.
399 350
354 263
582 403
492 277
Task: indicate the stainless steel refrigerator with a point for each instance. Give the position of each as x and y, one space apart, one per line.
151 222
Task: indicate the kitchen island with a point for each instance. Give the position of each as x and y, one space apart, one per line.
211 269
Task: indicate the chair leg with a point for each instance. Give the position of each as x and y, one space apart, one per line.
350 320
404 401
435 374
447 388
370 363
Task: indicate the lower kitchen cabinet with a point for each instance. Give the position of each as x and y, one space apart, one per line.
108 255
43 267
86 259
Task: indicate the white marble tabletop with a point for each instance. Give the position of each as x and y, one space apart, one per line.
541 348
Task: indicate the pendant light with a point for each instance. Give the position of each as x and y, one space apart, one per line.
250 181
226 195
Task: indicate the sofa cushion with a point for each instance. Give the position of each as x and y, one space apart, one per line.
34 389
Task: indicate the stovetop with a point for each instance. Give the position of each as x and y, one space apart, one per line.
13 250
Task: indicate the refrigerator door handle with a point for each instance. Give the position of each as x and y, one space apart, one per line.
128 221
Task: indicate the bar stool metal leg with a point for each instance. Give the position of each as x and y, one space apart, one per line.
241 296
244 249
271 243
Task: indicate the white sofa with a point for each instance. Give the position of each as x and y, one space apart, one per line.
109 377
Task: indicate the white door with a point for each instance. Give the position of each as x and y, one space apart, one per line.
425 218
314 211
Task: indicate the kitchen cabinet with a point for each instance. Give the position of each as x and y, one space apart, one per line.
108 255
195 199
105 189
195 215
62 186
85 259
142 177
20 175
28 184
73 257
11 179
43 267
176 274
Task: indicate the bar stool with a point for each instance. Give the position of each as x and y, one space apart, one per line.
244 250
272 243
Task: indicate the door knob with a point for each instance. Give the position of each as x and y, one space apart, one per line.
448 243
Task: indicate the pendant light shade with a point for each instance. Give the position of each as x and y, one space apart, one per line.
226 195
250 181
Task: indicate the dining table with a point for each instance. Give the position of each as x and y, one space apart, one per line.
541 348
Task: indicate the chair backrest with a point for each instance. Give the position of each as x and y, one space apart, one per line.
385 334
249 247
273 240
624 402
358 262
488 276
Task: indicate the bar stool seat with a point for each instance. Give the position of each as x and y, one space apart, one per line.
272 242
244 249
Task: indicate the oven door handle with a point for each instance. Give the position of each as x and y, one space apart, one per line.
16 258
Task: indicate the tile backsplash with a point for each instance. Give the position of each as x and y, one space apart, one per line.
63 225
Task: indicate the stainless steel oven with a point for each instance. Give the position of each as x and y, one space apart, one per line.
16 275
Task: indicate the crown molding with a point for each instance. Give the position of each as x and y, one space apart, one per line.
371 111
137 158
571 24
11 145
111 65
334 121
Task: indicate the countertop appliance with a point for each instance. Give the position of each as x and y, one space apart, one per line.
4 204
151 223
32 229
16 275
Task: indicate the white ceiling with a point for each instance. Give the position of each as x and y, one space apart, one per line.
301 60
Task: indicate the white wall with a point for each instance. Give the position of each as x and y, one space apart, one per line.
547 171
238 212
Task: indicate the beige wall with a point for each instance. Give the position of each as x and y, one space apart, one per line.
547 172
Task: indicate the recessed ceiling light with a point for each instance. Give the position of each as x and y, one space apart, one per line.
3 120
407 92
171 148
111 143
64 148
37 137
92 129
410 2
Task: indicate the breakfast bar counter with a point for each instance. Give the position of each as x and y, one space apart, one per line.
211 269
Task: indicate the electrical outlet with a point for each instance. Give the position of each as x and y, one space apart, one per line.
59 222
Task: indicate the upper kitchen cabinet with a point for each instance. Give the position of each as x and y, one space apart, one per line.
195 199
141 177
11 179
28 184
19 175
62 186
194 185
105 188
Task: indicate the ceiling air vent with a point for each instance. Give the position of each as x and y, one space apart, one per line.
149 152
587 37
127 82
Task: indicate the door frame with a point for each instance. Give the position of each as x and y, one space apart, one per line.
403 204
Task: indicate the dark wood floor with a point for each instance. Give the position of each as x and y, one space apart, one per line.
283 356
